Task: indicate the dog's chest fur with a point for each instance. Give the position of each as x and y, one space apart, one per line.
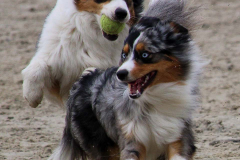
82 40
151 127
78 41
155 120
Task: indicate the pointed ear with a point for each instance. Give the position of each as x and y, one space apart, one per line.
177 28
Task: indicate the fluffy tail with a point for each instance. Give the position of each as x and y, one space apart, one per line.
177 11
68 148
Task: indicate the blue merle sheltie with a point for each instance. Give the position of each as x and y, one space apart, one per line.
142 109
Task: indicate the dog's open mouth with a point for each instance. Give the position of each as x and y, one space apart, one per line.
110 37
138 86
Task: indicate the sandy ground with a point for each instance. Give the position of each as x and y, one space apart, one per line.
27 133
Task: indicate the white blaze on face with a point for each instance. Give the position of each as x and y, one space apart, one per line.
129 64
110 8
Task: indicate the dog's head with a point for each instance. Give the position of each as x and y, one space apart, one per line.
154 52
124 11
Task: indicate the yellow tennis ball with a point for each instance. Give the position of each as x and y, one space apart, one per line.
111 27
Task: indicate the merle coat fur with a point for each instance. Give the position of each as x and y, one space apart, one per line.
105 121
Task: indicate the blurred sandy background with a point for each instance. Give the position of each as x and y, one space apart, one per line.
32 134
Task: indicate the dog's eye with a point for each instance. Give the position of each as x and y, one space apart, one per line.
145 55
124 55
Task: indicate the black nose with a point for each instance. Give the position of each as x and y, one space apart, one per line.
122 74
120 14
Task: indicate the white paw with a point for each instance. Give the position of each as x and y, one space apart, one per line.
32 92
177 157
88 70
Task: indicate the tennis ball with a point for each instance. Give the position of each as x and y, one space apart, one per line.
111 27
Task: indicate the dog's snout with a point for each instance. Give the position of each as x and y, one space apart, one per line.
122 74
120 13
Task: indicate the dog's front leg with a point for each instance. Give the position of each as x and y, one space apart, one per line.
34 77
175 151
133 151
184 148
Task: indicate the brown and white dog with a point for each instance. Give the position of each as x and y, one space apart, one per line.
71 41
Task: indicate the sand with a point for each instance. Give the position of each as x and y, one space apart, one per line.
31 134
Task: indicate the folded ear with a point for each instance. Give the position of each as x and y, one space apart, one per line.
138 7
177 28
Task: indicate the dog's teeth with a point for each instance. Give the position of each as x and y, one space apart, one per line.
147 77
138 92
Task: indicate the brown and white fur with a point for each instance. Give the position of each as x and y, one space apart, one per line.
71 41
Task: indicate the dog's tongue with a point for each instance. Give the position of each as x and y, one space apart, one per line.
110 37
135 87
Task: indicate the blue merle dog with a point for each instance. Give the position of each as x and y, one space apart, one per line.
142 109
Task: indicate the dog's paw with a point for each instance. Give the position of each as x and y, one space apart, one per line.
33 93
177 157
128 155
88 70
